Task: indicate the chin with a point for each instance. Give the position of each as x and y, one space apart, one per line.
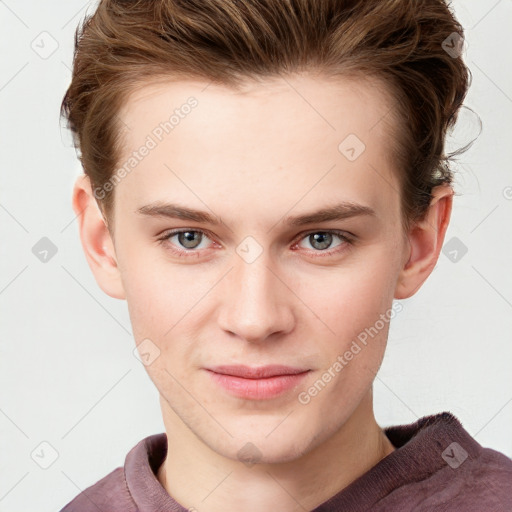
269 443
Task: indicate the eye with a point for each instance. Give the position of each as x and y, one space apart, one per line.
190 240
187 240
321 241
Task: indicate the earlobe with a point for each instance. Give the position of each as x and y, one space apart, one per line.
96 239
425 239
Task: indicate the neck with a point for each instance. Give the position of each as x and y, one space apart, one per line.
195 475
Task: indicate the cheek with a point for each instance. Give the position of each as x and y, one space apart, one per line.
350 297
158 313
358 313
153 305
149 295
164 302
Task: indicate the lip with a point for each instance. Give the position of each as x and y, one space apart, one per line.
259 372
259 383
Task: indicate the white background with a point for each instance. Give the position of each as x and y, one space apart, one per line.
67 372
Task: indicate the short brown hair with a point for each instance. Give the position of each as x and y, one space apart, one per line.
400 42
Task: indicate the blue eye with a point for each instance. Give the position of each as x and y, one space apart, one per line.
322 240
188 241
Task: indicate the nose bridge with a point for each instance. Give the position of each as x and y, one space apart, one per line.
255 304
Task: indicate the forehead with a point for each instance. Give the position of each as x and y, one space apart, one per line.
362 101
285 138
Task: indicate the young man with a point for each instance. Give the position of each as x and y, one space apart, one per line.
262 179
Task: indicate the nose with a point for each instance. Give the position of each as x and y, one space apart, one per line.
256 302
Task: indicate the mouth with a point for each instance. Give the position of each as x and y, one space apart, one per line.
257 383
260 372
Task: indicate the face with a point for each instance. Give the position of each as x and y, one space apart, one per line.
258 278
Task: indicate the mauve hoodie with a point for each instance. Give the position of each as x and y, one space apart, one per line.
437 466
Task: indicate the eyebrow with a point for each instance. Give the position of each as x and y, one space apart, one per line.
338 211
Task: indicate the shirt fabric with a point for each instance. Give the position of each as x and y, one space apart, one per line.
436 466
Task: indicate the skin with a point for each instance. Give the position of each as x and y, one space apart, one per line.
251 159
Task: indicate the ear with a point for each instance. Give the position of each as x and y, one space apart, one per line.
96 239
425 240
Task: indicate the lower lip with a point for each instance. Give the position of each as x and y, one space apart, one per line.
257 389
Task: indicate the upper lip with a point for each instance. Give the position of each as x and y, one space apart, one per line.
259 372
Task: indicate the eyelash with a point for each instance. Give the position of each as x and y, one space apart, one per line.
346 238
